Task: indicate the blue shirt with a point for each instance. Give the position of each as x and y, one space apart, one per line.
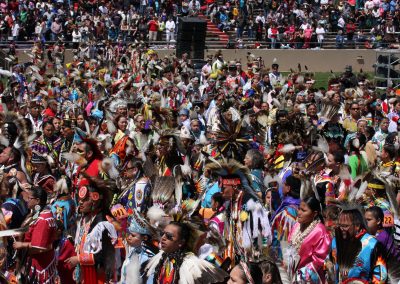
206 203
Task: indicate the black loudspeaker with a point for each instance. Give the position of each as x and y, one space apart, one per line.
191 38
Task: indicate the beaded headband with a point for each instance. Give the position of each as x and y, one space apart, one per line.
376 186
84 192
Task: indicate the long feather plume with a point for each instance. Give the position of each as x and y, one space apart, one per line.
133 271
4 141
61 186
344 173
203 139
361 190
288 148
185 168
178 190
322 145
111 127
75 158
87 127
108 166
5 73
163 190
305 188
155 214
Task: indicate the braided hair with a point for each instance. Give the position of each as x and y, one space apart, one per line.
178 256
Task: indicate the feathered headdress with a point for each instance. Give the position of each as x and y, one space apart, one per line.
232 139
328 110
98 189
162 197
61 186
16 134
231 172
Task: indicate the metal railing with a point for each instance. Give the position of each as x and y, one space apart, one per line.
215 42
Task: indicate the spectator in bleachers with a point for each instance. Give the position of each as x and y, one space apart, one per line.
320 31
153 28
308 31
339 40
170 29
273 35
252 20
350 30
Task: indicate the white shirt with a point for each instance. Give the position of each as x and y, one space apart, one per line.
170 25
320 32
304 26
38 29
15 30
274 78
76 36
260 18
341 22
369 5
377 3
206 70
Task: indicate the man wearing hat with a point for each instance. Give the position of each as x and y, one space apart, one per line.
348 79
233 79
42 176
186 137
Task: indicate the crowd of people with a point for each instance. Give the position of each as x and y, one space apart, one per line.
140 169
282 24
304 24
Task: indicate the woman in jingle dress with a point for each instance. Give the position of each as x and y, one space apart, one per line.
309 244
39 239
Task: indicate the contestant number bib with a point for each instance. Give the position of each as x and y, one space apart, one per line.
388 220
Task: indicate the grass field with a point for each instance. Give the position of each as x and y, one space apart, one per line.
322 78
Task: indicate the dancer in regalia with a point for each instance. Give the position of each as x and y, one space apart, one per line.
95 260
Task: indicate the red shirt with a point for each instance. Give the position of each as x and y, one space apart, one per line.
48 113
350 28
274 32
153 26
65 271
41 234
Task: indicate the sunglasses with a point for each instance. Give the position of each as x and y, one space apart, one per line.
168 236
355 108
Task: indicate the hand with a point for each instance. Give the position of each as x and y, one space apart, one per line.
62 169
72 261
26 186
19 245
